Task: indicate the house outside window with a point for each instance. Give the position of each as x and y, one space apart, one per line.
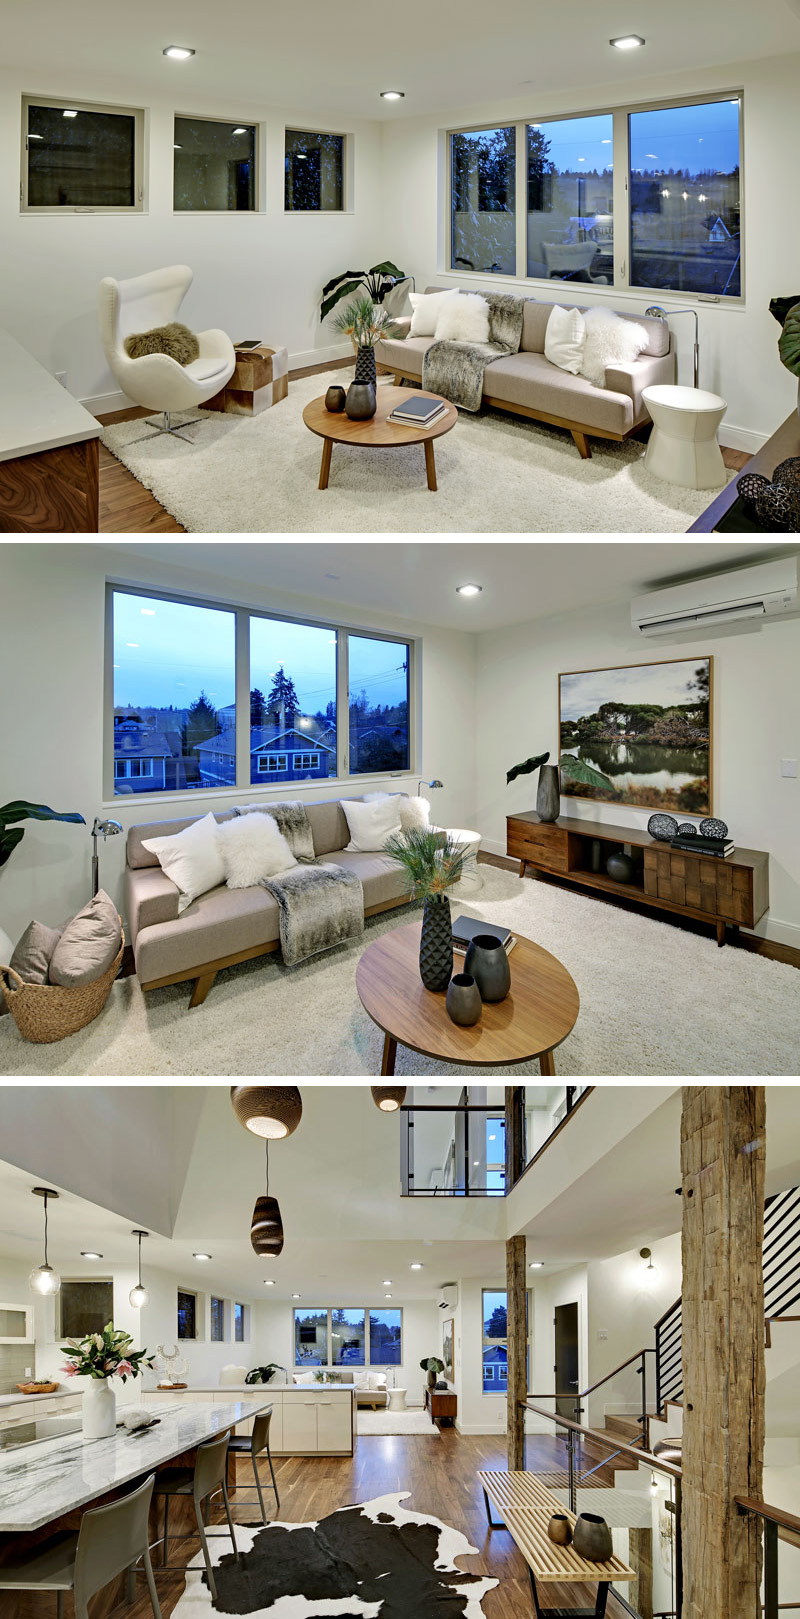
335 1336
495 1339
483 200
685 198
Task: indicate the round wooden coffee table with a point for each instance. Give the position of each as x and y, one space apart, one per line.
537 1014
377 434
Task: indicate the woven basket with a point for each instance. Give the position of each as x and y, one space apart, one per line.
47 1012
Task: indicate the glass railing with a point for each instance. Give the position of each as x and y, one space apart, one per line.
545 1109
453 1141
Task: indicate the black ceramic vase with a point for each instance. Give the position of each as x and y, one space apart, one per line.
365 365
487 962
436 944
335 398
620 866
592 1537
548 799
361 402
463 1000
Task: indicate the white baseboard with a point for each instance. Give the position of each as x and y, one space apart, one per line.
477 1428
741 438
103 404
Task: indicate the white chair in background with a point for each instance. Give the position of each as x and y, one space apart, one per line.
156 381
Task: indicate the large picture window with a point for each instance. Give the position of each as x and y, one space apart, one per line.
311 1337
214 166
348 1337
292 701
76 155
378 704
483 200
495 1340
570 221
385 1337
685 198
314 166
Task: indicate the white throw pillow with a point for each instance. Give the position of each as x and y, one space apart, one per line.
371 824
609 340
377 1381
252 847
464 319
191 858
563 339
415 812
304 1377
427 307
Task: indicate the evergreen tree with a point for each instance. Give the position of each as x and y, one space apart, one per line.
282 691
201 723
258 707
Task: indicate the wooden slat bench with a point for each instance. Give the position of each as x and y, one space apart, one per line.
527 1507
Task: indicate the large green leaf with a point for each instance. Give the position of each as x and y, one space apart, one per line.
342 291
10 836
20 810
789 341
527 766
577 770
387 268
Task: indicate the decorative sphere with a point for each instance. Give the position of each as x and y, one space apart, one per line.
712 828
687 829
620 867
663 827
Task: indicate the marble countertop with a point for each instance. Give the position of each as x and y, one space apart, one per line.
257 1388
24 1399
41 1482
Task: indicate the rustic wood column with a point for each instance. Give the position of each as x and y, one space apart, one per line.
515 1131
517 1330
640 1557
722 1169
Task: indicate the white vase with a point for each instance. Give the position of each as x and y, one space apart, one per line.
99 1416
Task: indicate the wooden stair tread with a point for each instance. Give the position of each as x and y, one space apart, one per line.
527 1507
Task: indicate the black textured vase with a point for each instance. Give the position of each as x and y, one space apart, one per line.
620 866
436 944
463 1000
487 961
365 365
335 398
548 800
361 402
591 1537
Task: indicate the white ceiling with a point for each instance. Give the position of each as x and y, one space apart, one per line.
443 56
521 580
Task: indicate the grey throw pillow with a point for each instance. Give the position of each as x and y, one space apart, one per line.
31 956
88 944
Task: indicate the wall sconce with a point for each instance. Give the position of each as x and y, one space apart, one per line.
650 1274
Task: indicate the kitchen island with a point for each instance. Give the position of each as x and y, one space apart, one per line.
308 1419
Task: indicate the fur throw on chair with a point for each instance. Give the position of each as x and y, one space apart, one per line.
175 340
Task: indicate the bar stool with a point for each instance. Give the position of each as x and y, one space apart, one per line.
205 1479
253 1444
110 1539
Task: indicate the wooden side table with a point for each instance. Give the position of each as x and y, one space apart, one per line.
260 379
443 1407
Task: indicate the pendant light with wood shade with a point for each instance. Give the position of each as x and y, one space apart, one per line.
272 1112
266 1226
389 1098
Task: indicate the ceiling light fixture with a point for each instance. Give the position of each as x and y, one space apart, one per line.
388 1098
202 1256
387 1281
297 1295
44 1279
387 1295
179 53
536 1264
86 1253
416 1265
269 1281
138 1295
627 42
468 590
266 1226
392 95
270 1112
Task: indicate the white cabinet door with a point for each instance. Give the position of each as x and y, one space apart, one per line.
299 1425
333 1425
276 1425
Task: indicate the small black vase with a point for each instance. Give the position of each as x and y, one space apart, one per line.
365 365
548 794
463 1000
487 961
361 402
335 398
436 944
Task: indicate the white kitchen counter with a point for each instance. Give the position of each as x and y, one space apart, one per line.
308 1419
36 413
61 1393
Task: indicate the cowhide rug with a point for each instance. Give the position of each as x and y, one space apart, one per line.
370 1561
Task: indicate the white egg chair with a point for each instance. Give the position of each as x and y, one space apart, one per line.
156 381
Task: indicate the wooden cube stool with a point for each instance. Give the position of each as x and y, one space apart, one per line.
260 379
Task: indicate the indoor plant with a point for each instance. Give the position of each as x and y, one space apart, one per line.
20 810
364 324
377 282
264 1374
433 1366
787 314
101 1356
432 862
548 797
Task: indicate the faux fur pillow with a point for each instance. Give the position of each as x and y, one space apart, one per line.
427 307
415 812
609 340
464 319
175 340
251 848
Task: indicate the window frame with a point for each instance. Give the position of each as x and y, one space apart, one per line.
216 1298
348 166
187 1338
259 177
241 784
620 150
240 1312
490 1343
328 1364
139 167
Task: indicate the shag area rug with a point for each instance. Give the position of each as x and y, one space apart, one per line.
497 474
654 1000
373 1561
416 1423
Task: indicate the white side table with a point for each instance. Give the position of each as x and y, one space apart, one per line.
683 446
397 1399
472 879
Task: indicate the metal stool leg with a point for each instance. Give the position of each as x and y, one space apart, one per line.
272 1473
206 1554
228 1516
258 1487
164 1558
59 1605
151 1584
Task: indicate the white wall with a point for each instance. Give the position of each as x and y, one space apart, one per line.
738 345
256 274
756 723
626 1306
53 630
422 1335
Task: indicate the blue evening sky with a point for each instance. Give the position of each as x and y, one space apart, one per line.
693 138
165 653
663 683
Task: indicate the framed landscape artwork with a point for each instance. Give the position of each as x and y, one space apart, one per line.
447 1349
639 735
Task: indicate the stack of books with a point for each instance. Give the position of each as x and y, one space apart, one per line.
465 928
699 844
419 410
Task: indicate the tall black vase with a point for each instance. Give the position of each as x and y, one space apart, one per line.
548 799
487 961
436 944
365 364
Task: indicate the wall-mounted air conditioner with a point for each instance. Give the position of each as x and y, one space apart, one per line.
723 598
448 1296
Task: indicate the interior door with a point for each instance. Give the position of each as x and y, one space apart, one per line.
566 1358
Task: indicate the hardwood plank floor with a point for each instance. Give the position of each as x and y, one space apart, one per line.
441 1475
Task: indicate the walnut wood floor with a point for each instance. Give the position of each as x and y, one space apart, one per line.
441 1475
126 507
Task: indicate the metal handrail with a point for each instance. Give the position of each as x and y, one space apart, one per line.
774 1519
646 1456
776 1515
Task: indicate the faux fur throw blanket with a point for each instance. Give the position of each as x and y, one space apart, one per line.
320 906
455 370
175 340
293 825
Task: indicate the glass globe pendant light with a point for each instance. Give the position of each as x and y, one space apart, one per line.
138 1295
44 1280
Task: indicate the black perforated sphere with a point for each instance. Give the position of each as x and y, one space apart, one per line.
687 829
663 827
712 828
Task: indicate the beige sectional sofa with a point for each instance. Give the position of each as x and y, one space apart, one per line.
530 385
228 925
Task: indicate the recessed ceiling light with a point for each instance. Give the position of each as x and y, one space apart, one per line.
536 1264
416 1265
387 1281
392 95
387 1295
201 1256
269 1281
240 130
296 1295
468 590
179 53
86 1253
70 112
627 42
